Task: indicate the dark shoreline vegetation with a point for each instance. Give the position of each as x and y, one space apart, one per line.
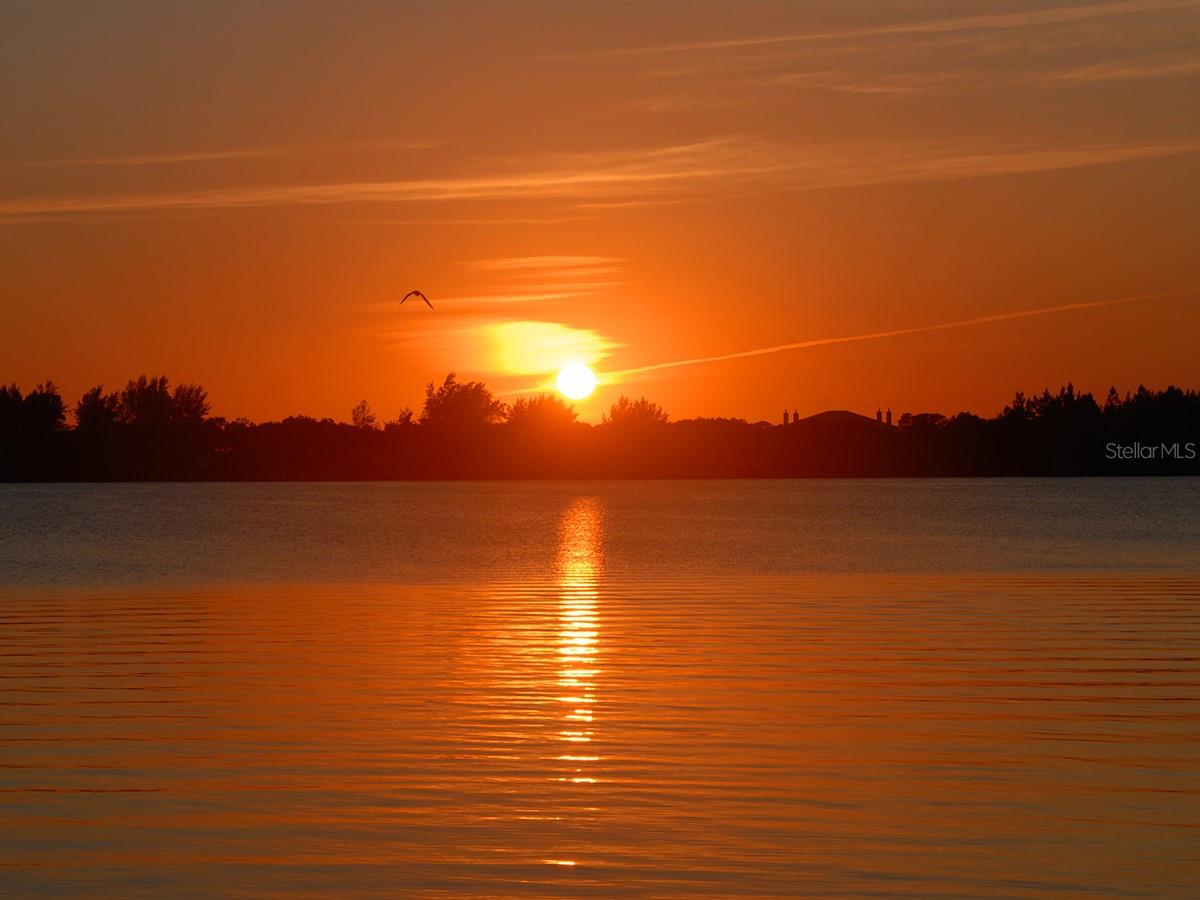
151 431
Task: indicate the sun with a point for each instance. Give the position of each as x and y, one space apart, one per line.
575 381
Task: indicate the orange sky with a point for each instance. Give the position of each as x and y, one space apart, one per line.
241 200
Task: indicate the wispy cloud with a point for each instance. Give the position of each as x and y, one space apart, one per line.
1106 42
500 298
221 155
575 175
625 374
494 329
1015 161
1059 15
556 263
501 282
680 171
506 351
849 82
533 279
542 348
865 81
482 221
1135 70
157 159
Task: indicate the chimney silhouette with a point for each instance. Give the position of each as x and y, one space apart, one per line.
889 415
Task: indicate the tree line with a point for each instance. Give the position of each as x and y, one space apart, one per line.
150 430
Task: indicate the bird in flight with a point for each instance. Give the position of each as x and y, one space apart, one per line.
416 294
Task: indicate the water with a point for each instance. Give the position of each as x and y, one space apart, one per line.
471 533
961 688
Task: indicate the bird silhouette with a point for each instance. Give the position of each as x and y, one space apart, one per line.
416 294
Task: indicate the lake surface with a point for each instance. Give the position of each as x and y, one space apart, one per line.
841 689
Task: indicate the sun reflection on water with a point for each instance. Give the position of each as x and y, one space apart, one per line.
579 564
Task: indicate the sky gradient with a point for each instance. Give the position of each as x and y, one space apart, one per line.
728 208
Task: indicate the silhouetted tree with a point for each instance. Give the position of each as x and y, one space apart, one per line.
1017 411
638 413
921 420
96 411
402 422
32 442
146 402
44 409
1066 405
12 408
541 411
189 403
457 405
101 446
362 416
38 413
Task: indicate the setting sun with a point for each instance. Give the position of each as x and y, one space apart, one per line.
576 381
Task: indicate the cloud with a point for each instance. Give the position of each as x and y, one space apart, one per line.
542 348
478 326
533 279
544 262
484 221
1106 42
1060 15
625 374
453 305
575 175
505 351
849 82
190 156
499 283
628 204
155 159
1136 70
897 83
952 166
688 170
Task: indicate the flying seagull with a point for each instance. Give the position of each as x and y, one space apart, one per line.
417 294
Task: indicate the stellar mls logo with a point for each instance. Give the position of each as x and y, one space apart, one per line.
1162 451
